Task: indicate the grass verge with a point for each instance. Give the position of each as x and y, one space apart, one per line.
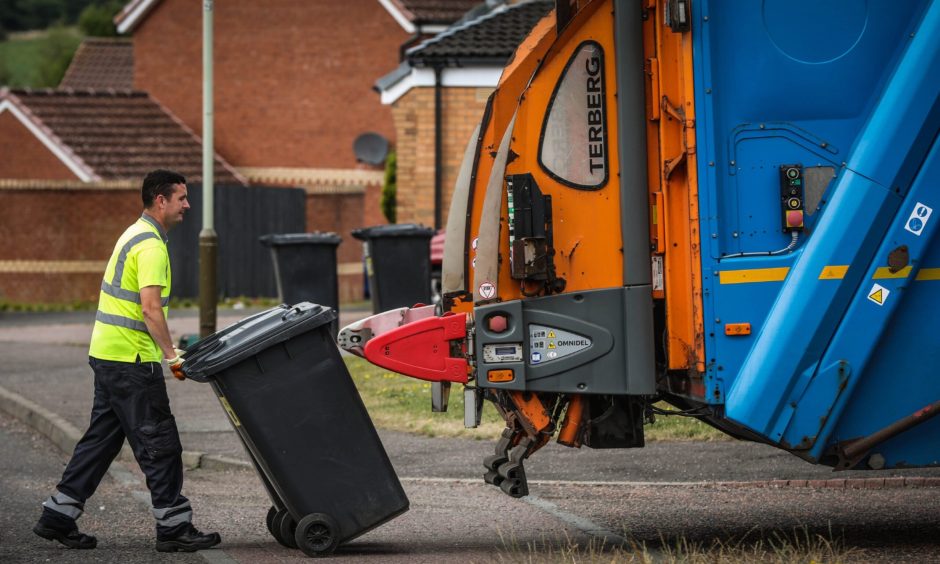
400 403
778 547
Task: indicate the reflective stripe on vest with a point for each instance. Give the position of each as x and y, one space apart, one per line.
121 321
114 289
128 295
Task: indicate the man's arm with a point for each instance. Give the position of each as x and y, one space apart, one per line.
156 323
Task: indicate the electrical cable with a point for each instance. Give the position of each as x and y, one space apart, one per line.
794 237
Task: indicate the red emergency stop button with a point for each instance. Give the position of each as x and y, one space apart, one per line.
497 323
795 218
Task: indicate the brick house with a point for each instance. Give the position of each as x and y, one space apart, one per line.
93 135
292 79
292 90
70 180
292 87
462 65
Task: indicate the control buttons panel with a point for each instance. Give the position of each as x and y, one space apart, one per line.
791 197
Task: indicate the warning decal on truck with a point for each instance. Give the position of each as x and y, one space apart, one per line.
878 294
918 219
550 343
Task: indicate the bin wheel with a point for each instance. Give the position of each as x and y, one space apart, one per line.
269 520
277 531
287 527
317 534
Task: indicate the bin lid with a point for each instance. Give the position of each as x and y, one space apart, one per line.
252 335
396 230
276 239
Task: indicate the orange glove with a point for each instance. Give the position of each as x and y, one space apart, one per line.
176 365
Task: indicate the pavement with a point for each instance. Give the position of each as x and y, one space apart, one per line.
696 491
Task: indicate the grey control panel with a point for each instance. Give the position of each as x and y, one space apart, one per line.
593 342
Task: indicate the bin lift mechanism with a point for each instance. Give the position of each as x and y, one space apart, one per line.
418 343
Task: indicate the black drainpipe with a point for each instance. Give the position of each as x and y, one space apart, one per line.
438 147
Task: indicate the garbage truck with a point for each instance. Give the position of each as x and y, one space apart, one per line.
725 207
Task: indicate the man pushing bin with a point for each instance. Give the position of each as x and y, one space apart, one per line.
129 340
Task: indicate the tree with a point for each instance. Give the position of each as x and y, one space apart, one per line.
20 15
56 53
97 20
390 188
4 72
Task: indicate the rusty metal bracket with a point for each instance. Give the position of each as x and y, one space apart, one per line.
677 113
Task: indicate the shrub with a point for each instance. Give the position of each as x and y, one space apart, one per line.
390 188
97 20
56 53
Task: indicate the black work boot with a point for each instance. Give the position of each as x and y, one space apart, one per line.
70 538
187 539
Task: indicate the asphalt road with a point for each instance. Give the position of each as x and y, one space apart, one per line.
466 521
29 469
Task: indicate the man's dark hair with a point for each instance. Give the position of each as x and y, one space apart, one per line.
159 182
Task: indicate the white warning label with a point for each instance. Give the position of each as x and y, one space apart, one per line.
878 294
657 272
487 290
918 219
551 343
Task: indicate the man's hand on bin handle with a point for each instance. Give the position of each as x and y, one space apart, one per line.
176 364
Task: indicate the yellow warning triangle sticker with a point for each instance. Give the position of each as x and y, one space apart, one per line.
878 294
551 334
551 345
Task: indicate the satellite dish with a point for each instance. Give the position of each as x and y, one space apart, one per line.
370 148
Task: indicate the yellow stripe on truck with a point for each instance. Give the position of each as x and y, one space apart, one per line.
928 274
832 272
753 275
835 272
885 272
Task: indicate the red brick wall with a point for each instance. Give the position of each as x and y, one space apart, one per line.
24 156
69 224
341 213
58 227
46 227
462 111
293 80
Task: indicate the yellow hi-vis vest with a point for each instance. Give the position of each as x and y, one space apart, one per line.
140 259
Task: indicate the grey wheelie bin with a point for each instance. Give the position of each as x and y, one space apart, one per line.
292 402
398 262
305 268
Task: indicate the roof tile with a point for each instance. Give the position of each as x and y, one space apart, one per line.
101 64
119 134
491 38
443 12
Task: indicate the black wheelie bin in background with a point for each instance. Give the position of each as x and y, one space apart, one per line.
305 268
290 398
398 263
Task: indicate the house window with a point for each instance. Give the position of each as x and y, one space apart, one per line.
573 145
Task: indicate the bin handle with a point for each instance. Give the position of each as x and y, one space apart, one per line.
209 348
292 312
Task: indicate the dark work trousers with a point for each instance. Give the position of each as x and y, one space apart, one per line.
130 401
